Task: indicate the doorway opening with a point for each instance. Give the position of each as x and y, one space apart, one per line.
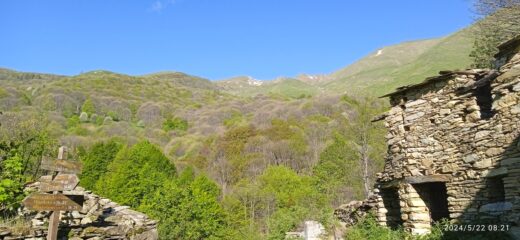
435 196
391 201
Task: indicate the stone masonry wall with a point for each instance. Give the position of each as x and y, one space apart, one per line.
450 130
99 219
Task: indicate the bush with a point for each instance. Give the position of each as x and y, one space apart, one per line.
73 122
175 123
11 183
107 120
188 209
88 107
96 161
368 228
140 124
83 117
135 173
113 115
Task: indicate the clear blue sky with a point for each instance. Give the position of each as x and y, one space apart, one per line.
215 39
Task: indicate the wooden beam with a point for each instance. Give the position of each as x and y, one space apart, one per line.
415 180
427 179
390 184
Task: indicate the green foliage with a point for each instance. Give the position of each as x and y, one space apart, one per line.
232 145
88 107
368 228
107 120
287 187
11 182
73 122
499 23
278 201
188 209
135 173
236 119
338 172
96 161
175 123
140 124
290 131
83 117
3 93
113 115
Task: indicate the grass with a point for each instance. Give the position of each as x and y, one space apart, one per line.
404 64
17 226
368 228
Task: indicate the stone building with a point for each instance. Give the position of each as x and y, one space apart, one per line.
454 149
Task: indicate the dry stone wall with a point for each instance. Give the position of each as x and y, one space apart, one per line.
99 219
453 148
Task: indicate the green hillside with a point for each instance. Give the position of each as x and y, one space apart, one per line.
378 73
403 64
282 87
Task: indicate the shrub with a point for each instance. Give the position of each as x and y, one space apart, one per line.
113 115
368 228
96 161
175 123
73 122
107 120
94 118
135 173
83 117
11 185
140 124
88 107
188 209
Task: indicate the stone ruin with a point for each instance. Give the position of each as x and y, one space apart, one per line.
454 149
99 219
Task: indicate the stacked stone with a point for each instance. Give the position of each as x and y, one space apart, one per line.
439 127
100 218
350 213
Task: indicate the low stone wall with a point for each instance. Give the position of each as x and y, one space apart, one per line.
350 213
100 218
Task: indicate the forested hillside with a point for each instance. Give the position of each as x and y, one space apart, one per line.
179 149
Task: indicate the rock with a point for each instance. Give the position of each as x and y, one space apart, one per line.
414 116
470 158
99 219
496 208
420 217
516 87
493 152
313 230
482 134
486 163
414 103
445 111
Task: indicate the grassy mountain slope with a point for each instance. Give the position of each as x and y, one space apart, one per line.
403 64
376 74
283 87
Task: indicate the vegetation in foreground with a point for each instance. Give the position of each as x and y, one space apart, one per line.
368 228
